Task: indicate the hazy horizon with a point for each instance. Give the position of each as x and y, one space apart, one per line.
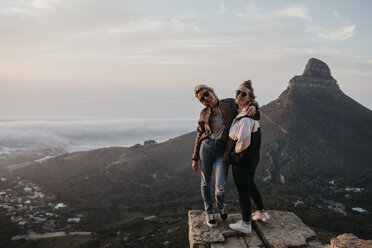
79 135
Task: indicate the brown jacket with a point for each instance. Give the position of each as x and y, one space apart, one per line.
229 110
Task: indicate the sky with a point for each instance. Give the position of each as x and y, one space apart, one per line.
141 59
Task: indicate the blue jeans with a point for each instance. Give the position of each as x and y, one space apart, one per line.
211 154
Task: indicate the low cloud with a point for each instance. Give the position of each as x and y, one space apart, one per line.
76 135
336 14
295 12
253 13
222 7
257 21
340 34
45 4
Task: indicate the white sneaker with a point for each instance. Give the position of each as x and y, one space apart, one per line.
261 216
241 226
211 221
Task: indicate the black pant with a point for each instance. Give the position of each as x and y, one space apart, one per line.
243 173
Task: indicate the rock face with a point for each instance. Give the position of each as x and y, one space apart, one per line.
316 75
349 240
283 230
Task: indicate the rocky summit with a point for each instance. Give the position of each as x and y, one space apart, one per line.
283 230
316 75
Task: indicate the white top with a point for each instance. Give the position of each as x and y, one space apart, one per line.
241 131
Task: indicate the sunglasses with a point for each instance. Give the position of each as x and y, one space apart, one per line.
206 94
244 94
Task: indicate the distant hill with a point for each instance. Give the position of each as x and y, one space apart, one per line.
312 134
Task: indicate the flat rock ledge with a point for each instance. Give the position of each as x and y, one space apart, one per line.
283 230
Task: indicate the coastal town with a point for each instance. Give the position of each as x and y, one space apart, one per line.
32 209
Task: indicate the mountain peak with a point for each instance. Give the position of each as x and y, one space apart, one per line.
316 75
317 68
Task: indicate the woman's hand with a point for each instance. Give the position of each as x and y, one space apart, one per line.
195 165
251 110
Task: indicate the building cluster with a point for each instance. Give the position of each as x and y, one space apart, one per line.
32 209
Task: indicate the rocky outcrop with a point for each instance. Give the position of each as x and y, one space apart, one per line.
349 240
283 230
316 75
202 236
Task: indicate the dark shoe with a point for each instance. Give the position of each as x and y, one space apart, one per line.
211 221
223 214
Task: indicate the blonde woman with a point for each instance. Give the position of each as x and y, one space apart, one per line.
243 152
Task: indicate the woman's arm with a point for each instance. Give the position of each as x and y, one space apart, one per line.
252 110
199 132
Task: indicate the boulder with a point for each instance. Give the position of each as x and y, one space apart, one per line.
285 229
349 240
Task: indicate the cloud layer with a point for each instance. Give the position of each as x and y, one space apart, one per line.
339 34
296 12
75 135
